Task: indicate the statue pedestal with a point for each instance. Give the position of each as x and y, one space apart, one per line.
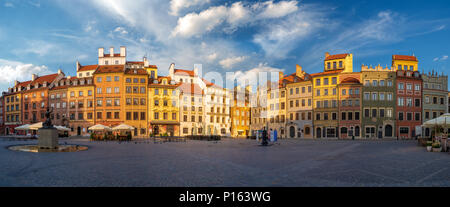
48 138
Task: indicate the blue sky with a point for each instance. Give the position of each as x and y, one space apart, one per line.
224 36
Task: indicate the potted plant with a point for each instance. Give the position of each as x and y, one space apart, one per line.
437 147
429 146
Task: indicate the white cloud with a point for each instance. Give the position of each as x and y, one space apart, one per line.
37 47
443 58
278 38
277 10
13 70
121 30
36 4
197 24
177 5
212 57
230 62
235 16
9 4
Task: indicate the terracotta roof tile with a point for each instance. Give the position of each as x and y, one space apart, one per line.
184 72
46 78
110 69
326 73
88 67
209 84
131 71
335 57
404 57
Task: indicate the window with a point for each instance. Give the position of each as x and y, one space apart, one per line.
99 90
116 78
108 90
344 92
318 92
389 83
389 113
142 115
108 115
325 81
334 80
404 130
401 102
317 82
135 115
401 86
417 102
417 116
417 87
99 79
374 113
389 97
116 115
367 83
400 116
409 87
343 116
366 96
340 64
108 78
99 115
366 113
374 96
381 96
375 83
382 113
409 116
409 102
99 102
381 82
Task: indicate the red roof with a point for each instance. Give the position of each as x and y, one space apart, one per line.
404 57
190 88
110 69
87 67
130 71
46 78
326 73
184 72
152 66
135 62
24 84
335 57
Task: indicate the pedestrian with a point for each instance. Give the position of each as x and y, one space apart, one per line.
264 137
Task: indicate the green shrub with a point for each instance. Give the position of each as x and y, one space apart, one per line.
436 145
429 143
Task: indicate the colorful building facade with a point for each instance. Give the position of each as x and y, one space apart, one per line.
378 102
435 98
349 89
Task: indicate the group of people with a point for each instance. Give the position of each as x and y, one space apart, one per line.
266 137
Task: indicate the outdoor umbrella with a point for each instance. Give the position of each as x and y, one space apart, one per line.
23 127
123 127
99 127
36 126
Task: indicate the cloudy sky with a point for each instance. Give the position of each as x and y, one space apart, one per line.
224 36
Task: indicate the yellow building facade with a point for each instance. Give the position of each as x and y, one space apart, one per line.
326 96
240 112
135 100
163 107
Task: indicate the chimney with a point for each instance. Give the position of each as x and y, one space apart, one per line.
299 71
123 51
101 52
146 63
111 51
78 65
327 54
33 77
172 70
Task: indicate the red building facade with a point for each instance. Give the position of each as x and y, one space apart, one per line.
350 105
409 103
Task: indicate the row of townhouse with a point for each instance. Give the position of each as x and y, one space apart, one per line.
116 91
376 102
336 103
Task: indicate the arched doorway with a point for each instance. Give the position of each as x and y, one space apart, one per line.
388 131
291 132
319 133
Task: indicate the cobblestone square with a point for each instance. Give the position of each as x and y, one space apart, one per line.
229 162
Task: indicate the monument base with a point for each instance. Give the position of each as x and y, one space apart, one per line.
48 138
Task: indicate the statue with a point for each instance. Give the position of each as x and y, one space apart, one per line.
48 122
